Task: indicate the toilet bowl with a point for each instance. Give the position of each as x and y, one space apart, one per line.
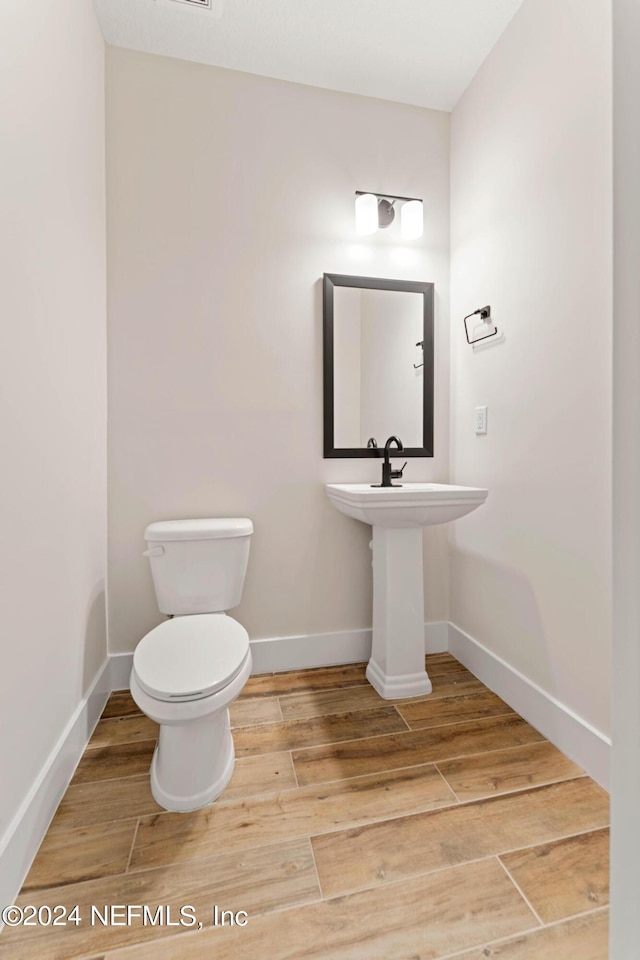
185 674
187 670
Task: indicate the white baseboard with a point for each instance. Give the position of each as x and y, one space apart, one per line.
120 665
572 734
278 654
24 834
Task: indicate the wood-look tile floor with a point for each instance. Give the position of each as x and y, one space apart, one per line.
354 828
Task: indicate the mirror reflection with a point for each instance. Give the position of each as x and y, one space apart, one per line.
378 365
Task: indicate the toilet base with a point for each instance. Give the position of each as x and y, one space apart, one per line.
192 764
194 758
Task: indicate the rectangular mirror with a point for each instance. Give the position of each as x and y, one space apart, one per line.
378 365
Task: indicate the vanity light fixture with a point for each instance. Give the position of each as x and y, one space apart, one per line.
376 211
366 213
411 225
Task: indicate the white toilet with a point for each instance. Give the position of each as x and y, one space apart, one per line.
189 669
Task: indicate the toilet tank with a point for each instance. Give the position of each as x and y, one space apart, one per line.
198 566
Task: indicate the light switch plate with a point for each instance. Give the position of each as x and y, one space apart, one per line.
481 421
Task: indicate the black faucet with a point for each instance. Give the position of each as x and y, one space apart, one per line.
387 473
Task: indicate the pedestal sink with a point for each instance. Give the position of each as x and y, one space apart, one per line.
397 514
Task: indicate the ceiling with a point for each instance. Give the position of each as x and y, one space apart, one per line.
422 52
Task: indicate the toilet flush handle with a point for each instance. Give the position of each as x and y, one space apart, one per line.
154 551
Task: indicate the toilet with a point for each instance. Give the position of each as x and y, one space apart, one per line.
187 670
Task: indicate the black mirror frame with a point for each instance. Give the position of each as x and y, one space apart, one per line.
331 280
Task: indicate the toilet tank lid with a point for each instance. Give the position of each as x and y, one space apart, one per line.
211 529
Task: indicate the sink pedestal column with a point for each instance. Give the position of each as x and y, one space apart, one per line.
396 668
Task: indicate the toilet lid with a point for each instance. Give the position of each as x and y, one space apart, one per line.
190 657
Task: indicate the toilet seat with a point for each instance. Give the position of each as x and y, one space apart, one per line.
190 658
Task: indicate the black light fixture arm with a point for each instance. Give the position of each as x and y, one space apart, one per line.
385 196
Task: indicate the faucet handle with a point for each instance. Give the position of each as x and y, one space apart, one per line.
397 474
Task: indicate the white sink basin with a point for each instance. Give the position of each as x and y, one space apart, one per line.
411 505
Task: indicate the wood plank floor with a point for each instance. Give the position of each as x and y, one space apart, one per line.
354 828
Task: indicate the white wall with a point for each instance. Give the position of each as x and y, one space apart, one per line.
229 195
531 235
52 379
625 836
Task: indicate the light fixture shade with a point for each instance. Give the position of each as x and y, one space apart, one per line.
411 220
366 213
